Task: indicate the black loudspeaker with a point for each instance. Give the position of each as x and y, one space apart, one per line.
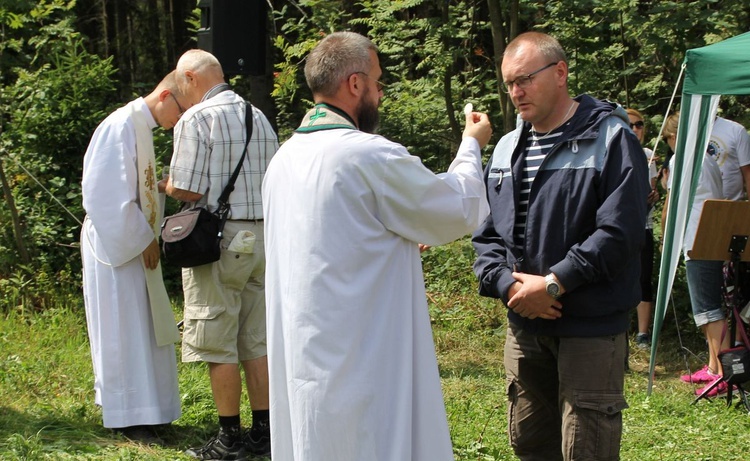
235 32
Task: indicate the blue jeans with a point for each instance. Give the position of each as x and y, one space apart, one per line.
705 281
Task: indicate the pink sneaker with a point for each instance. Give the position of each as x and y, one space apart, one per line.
720 389
704 375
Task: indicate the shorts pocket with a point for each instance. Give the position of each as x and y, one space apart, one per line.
203 312
205 329
234 269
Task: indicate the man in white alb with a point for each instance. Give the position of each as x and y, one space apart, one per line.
352 367
130 322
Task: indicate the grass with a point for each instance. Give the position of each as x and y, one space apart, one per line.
47 410
46 396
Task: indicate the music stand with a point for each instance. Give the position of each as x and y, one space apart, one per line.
722 234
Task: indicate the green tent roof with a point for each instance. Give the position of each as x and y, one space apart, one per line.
721 68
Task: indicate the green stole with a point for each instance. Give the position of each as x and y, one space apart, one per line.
325 117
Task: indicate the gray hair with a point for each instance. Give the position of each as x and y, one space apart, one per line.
547 45
334 59
199 61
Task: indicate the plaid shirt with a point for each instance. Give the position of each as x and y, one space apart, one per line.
208 143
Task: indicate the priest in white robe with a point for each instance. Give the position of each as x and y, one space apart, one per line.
130 324
353 372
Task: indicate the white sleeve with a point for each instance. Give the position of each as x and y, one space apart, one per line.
433 209
110 191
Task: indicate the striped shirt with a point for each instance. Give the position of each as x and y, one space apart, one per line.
537 148
208 143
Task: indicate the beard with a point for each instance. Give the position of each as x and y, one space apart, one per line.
368 116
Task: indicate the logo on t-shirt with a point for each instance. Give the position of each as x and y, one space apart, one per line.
716 150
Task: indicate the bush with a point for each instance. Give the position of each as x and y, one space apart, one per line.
453 290
51 109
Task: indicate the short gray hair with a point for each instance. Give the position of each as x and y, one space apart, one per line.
547 45
199 61
335 58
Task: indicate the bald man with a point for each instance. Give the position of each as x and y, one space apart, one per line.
225 317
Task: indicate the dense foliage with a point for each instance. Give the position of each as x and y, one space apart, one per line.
65 64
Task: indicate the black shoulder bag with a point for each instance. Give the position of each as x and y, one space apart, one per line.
193 237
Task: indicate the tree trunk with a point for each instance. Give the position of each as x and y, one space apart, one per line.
447 77
499 40
184 39
17 227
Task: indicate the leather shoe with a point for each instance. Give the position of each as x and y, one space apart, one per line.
142 434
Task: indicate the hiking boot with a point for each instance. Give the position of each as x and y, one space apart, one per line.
642 341
722 388
704 375
258 440
221 447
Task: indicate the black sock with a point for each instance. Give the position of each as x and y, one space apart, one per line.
260 420
230 425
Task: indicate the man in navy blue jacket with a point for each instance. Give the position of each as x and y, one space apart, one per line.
567 191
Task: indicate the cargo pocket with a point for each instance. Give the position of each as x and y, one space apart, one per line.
597 426
235 269
204 329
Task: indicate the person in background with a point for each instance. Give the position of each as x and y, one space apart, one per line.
704 278
561 248
729 145
225 315
646 306
135 370
352 363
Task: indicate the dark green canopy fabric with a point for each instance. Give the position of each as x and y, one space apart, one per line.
721 68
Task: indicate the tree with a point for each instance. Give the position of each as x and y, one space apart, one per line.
64 65
145 38
504 29
434 58
49 111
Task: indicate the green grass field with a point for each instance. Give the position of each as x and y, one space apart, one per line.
47 410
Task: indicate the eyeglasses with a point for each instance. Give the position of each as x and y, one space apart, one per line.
638 124
182 110
525 80
380 85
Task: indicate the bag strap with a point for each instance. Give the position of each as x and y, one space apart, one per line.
223 210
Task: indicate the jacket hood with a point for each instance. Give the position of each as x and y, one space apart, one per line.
590 114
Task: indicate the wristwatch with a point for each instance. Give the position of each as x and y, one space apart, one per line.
553 288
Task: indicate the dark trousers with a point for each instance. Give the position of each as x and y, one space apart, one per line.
565 396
